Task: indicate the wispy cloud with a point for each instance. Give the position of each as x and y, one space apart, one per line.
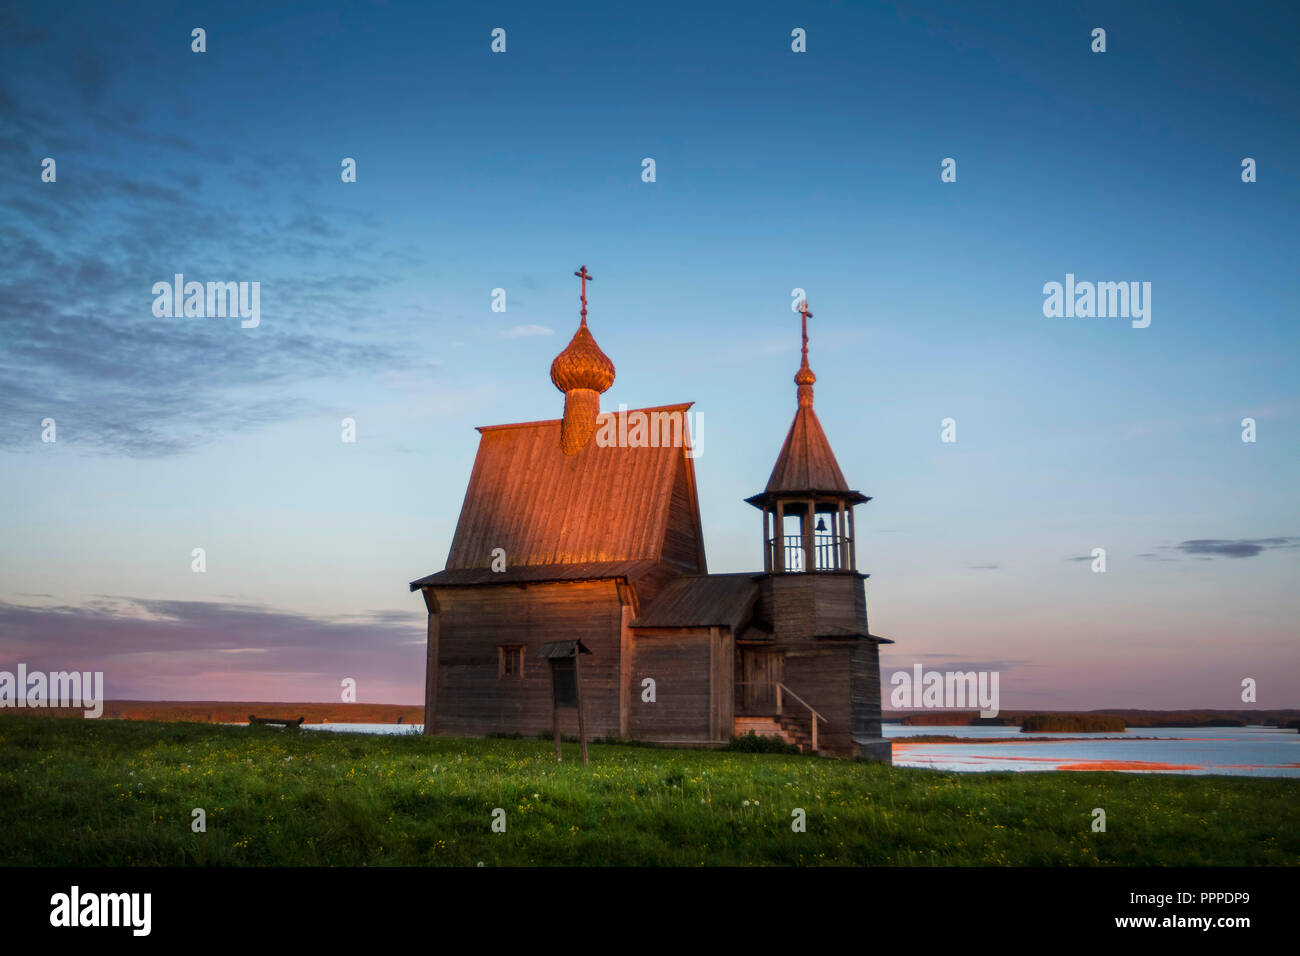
216 650
80 342
1232 548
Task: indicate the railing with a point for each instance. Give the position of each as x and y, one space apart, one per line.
825 552
781 692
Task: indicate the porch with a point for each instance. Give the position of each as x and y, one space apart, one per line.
768 708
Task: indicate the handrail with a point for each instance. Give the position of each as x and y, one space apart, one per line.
802 701
781 687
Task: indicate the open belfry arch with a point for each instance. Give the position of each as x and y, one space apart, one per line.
603 544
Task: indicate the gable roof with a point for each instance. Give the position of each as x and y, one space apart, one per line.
606 505
705 600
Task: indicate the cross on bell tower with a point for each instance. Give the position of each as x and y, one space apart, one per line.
807 487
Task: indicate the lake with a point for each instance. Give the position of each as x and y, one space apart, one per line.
1237 751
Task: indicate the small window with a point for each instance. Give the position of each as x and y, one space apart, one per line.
510 660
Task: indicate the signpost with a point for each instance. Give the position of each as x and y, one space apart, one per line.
566 686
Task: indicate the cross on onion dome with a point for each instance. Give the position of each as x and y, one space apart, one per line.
584 275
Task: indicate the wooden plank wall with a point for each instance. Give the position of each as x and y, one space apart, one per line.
801 606
431 651
722 716
866 689
681 661
820 674
473 700
628 612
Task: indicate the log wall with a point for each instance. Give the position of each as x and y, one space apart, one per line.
473 700
681 662
866 689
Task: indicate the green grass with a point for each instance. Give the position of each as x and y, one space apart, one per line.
78 792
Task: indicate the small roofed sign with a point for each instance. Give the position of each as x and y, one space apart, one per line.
566 685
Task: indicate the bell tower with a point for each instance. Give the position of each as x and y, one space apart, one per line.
807 505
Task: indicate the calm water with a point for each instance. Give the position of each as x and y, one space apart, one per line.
369 728
1241 751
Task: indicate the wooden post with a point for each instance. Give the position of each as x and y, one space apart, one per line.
714 689
853 544
839 536
814 734
626 613
431 665
582 723
809 537
767 541
778 543
555 719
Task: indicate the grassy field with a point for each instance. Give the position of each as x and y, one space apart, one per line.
86 792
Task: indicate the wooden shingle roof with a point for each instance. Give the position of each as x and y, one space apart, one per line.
580 571
598 513
806 462
705 600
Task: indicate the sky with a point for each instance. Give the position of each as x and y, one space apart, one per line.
775 170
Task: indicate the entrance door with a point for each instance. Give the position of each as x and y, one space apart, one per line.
761 668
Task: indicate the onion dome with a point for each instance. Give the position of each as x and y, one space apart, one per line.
582 371
582 365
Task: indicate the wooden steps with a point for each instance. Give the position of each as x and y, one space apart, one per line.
781 726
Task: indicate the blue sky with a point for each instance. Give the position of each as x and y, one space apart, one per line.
774 170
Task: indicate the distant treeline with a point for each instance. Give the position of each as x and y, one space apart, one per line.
1072 723
1031 723
1205 718
236 712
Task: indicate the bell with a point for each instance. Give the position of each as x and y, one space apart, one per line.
821 523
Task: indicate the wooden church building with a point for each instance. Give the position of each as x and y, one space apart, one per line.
588 528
